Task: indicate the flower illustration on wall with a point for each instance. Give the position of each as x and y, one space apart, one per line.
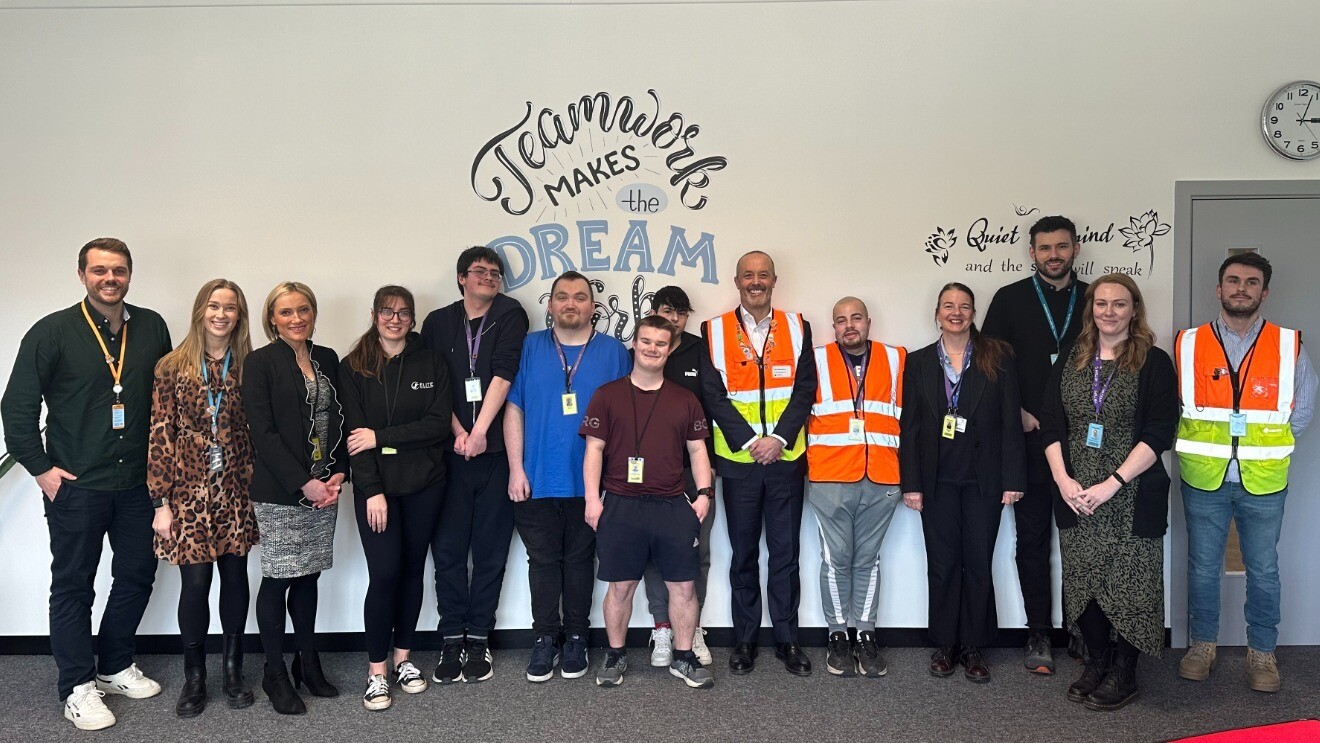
1141 235
939 243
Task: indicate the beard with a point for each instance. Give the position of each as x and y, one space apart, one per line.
572 321
1058 273
1246 310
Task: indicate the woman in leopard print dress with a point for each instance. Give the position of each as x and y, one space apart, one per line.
199 468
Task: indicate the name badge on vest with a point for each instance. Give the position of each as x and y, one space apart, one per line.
950 426
856 429
316 449
960 423
781 371
635 469
570 403
1095 435
472 389
1237 424
117 417
388 450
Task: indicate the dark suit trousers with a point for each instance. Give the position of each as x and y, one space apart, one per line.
773 496
1034 516
960 524
476 518
561 562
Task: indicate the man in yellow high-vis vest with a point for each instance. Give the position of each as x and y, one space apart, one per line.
758 382
1247 391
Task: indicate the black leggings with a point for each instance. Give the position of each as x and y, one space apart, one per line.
396 564
301 605
195 598
1096 629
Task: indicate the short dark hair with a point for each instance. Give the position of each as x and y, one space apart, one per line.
573 276
1053 224
659 323
671 296
1249 259
474 254
108 244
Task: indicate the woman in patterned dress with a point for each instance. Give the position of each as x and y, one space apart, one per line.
291 398
1111 409
199 467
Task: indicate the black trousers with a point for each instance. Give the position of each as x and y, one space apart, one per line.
561 562
476 517
396 565
79 521
771 496
960 524
1034 516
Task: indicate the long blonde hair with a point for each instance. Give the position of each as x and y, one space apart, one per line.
186 360
1131 354
268 310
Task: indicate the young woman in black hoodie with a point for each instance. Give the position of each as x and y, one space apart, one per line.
397 409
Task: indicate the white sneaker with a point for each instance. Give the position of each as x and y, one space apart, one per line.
699 647
130 682
86 710
663 652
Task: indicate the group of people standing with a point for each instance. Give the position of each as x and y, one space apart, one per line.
1060 406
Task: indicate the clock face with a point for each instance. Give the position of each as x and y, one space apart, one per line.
1291 120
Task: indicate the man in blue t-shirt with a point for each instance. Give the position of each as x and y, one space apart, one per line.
560 370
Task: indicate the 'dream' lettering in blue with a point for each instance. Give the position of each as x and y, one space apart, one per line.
588 232
635 243
679 249
551 239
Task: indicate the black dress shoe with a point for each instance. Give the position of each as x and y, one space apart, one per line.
1118 687
743 658
794 659
942 660
1092 675
974 666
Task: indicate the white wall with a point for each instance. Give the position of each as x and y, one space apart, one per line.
335 144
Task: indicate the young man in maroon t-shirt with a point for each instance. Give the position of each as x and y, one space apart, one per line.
636 430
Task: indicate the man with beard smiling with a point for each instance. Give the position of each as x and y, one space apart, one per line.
758 379
1038 316
559 371
1247 390
92 470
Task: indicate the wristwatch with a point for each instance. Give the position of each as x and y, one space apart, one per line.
157 502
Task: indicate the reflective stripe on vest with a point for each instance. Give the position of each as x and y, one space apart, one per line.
752 387
832 454
1205 445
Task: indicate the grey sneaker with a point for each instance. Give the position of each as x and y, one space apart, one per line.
1039 657
692 672
869 660
611 671
839 658
1263 671
1199 661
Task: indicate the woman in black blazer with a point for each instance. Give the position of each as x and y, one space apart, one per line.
292 406
962 459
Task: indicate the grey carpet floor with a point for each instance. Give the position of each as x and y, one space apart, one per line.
769 705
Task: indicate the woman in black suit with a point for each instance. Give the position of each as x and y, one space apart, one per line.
962 460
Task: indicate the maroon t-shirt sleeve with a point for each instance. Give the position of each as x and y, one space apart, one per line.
596 421
697 427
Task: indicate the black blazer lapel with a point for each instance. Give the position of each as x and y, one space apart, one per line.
932 377
973 385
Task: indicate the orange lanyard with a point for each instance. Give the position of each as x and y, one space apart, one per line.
116 370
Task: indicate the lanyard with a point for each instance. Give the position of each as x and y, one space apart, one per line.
953 389
570 371
639 433
857 382
474 344
398 385
749 341
1234 375
1098 392
213 400
116 370
1067 320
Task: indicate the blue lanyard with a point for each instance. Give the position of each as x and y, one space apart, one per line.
1072 302
953 389
213 400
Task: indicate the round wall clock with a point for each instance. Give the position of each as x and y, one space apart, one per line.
1290 120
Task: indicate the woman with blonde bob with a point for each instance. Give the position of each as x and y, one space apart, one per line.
199 468
290 394
1110 411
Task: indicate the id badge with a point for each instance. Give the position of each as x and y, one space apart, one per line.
1237 424
316 449
856 429
215 458
388 450
472 388
1095 435
781 371
570 403
1053 358
117 416
635 468
962 424
950 426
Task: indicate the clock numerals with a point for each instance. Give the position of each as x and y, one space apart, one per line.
1288 123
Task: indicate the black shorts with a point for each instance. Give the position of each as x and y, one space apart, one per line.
636 529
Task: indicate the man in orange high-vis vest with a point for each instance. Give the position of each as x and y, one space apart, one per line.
852 464
1247 390
758 381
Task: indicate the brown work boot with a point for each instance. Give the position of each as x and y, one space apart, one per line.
1263 671
1199 661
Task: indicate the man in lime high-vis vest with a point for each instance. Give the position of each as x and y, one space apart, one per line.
758 382
1247 390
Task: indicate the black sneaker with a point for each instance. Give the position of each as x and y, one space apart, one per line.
574 664
478 665
869 660
1039 657
545 654
450 667
839 656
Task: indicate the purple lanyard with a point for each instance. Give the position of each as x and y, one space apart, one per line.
856 381
474 344
1098 392
571 371
952 389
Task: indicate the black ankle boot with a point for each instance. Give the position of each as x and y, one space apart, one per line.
192 697
280 692
237 692
1118 687
1092 675
307 669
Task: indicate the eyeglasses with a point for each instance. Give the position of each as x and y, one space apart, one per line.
485 273
385 313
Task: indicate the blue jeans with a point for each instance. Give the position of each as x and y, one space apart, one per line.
1259 520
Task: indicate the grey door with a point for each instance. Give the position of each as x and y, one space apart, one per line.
1280 219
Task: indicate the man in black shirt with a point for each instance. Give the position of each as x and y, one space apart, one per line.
92 469
1039 316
